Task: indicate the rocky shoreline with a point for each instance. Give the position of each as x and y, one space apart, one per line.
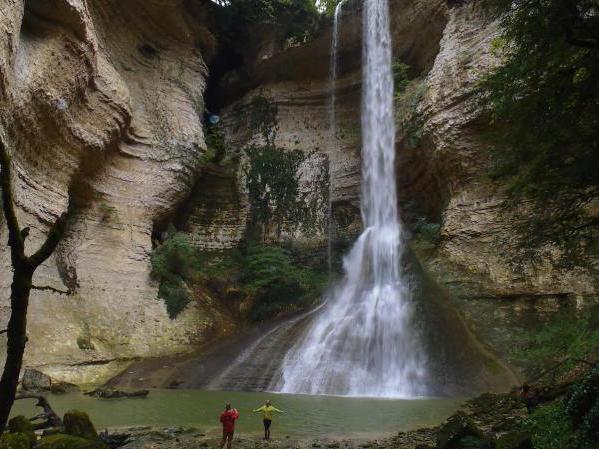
564 408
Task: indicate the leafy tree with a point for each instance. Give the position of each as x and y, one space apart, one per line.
238 22
327 6
544 104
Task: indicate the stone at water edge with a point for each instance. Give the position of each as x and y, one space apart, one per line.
34 380
458 428
78 424
514 440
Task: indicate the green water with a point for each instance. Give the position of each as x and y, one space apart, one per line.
305 416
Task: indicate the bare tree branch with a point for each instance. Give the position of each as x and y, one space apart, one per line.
52 289
15 238
52 419
54 236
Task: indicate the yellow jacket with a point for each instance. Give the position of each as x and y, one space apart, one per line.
268 411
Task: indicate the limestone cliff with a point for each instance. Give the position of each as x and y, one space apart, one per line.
101 103
461 234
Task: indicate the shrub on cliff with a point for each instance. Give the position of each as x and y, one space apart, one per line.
287 19
174 263
279 284
544 113
270 274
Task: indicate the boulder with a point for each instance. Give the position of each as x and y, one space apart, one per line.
34 380
460 432
78 424
62 441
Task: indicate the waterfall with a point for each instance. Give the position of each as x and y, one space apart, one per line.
364 341
333 126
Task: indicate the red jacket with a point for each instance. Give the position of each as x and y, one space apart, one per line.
228 418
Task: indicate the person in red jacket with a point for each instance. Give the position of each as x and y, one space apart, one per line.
227 418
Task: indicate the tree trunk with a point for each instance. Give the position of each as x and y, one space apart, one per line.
16 339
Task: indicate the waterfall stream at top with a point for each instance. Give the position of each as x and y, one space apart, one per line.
364 342
333 123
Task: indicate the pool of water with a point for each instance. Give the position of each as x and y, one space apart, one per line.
304 417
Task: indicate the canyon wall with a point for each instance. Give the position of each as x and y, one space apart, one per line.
461 234
102 107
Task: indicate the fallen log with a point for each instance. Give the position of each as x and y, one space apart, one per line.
51 419
108 393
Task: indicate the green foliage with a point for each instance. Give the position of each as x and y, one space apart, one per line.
263 117
428 230
327 6
572 423
401 79
272 181
544 113
564 336
582 406
280 285
174 263
408 98
273 177
20 424
216 147
273 276
296 20
549 427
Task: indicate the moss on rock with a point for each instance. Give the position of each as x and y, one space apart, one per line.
78 424
15 441
62 441
21 425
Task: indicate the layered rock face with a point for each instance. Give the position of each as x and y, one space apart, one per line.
441 158
477 240
101 106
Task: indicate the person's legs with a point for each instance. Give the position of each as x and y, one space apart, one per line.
230 440
224 440
267 423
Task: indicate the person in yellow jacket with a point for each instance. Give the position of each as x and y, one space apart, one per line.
268 409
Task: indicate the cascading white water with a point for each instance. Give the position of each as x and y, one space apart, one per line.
333 124
364 343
